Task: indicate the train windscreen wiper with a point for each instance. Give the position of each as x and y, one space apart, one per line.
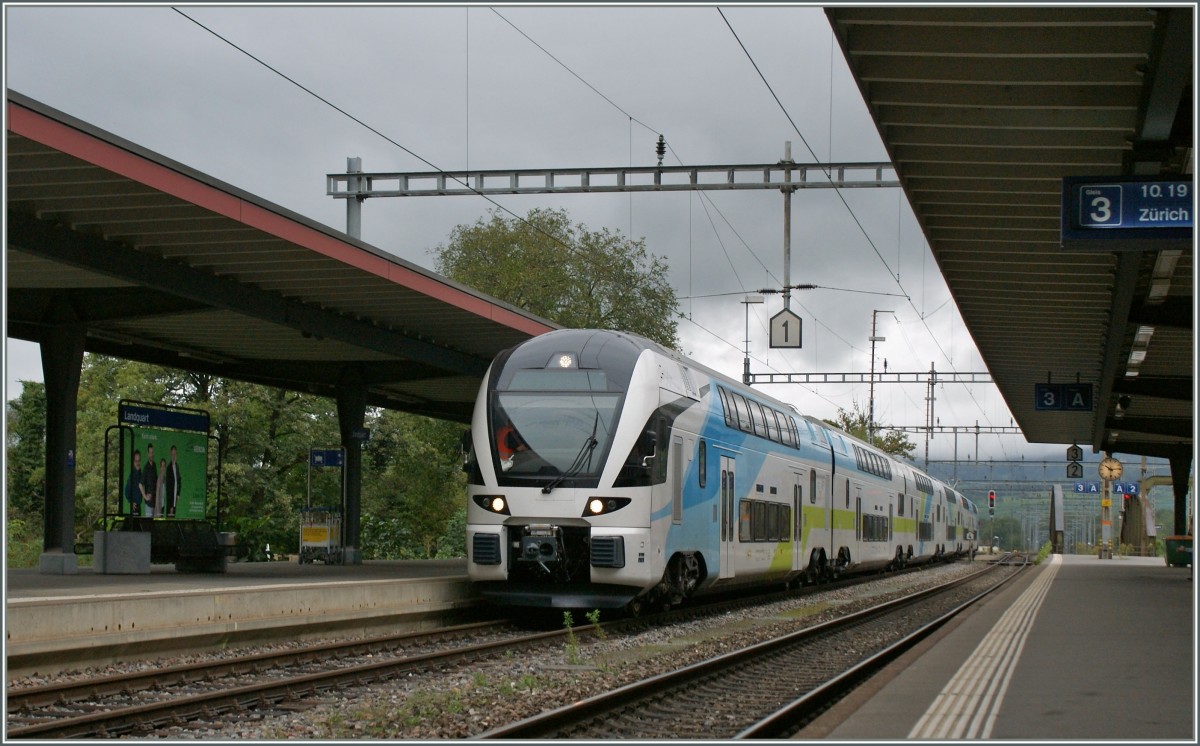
584 457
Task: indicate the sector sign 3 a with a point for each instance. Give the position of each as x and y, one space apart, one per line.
1062 397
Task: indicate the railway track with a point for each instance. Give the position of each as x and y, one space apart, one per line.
767 690
144 700
141 702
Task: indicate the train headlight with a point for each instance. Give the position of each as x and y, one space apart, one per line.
603 505
493 503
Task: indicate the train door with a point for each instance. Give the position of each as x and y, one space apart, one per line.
799 545
819 486
728 482
858 518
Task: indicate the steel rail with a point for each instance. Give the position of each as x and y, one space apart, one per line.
26 698
793 717
25 702
550 724
209 704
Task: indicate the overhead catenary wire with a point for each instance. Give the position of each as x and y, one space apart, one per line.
895 276
342 111
538 229
705 329
705 199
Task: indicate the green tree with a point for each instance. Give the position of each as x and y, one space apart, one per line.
265 436
25 461
566 273
413 485
856 423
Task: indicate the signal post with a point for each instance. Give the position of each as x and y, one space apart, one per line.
1109 469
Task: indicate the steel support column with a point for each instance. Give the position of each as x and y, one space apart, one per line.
1181 466
62 356
352 409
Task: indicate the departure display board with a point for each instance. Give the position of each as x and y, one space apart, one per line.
1126 212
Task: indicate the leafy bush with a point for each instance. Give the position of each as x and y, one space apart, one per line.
1043 553
256 533
24 544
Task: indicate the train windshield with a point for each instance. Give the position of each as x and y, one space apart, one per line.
554 405
541 433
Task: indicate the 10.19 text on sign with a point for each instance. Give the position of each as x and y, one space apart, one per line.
1126 212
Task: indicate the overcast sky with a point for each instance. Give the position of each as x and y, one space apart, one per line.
463 88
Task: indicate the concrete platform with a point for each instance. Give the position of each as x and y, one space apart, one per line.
1078 649
53 621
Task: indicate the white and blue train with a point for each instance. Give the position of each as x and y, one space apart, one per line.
606 471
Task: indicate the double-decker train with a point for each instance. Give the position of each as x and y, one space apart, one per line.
606 471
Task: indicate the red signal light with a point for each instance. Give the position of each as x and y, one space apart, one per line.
991 498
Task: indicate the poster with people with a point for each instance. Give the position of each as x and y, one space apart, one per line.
166 461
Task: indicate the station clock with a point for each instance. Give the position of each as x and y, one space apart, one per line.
1110 468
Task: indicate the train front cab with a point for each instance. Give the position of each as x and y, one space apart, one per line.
573 528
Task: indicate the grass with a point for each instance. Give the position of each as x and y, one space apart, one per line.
573 656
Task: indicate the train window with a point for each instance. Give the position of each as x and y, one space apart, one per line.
702 464
744 534
923 483
758 520
730 415
772 511
795 431
743 412
785 522
785 432
900 504
760 422
812 487
772 424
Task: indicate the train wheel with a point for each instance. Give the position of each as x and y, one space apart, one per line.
684 574
817 568
843 561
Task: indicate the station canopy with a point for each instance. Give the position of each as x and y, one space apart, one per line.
162 264
984 111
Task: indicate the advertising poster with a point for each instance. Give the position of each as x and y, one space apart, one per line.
169 465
